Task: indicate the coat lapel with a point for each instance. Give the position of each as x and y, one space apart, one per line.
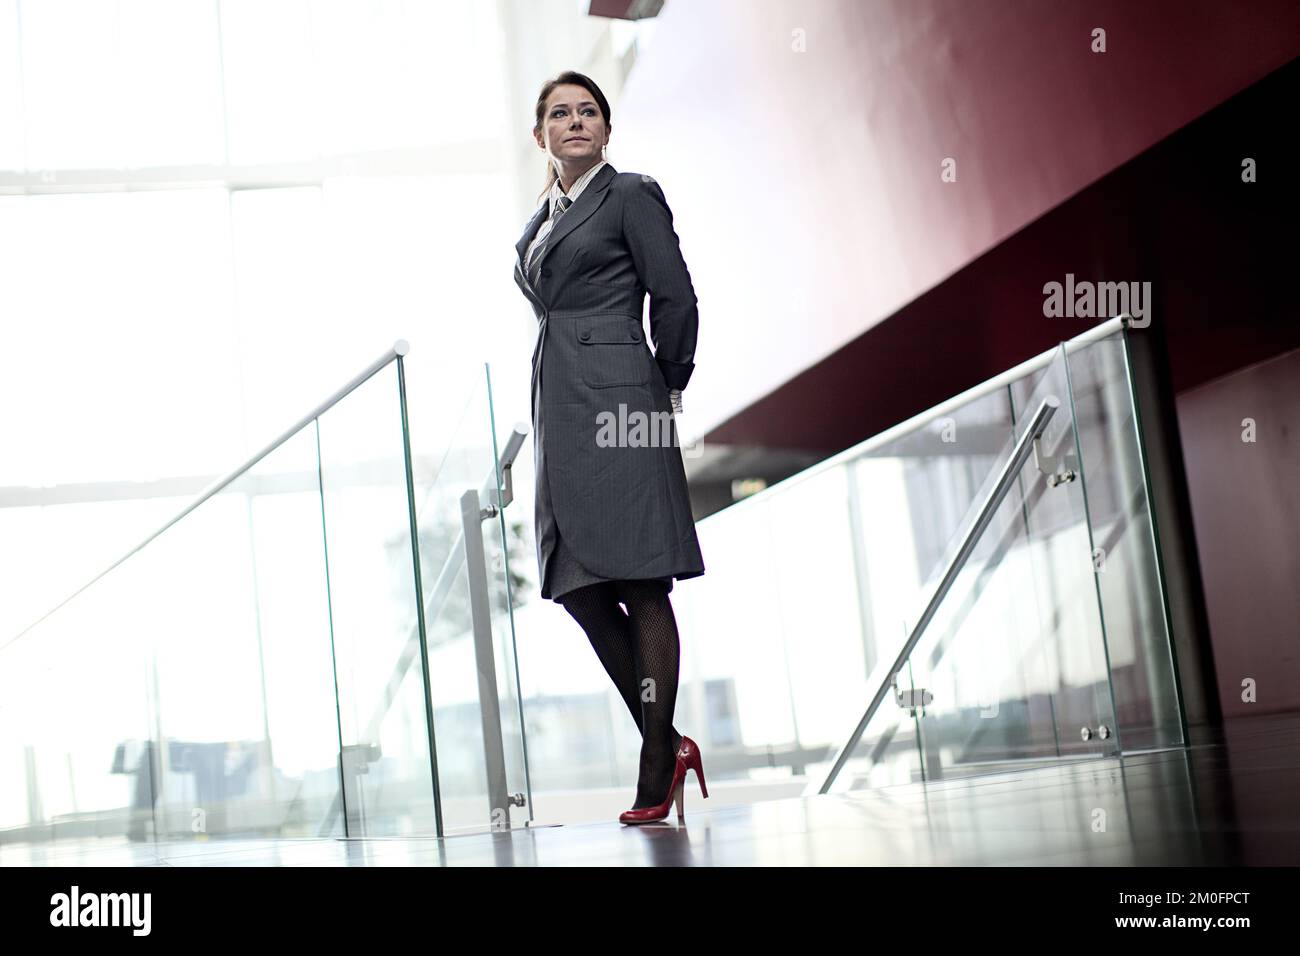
582 209
530 230
578 213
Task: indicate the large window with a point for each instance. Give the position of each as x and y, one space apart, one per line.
212 214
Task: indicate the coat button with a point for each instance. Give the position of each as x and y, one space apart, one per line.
636 336
546 273
584 334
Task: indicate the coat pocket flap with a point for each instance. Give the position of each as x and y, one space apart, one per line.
609 330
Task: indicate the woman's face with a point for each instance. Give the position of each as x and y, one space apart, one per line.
573 129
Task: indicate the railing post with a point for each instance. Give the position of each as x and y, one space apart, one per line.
472 514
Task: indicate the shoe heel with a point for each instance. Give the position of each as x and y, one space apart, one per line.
698 767
680 797
689 751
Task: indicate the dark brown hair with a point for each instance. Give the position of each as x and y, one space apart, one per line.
577 79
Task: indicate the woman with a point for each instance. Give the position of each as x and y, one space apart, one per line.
613 516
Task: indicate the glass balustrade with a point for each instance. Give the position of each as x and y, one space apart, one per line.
265 666
326 645
1051 642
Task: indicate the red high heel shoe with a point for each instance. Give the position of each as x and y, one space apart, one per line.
689 751
675 792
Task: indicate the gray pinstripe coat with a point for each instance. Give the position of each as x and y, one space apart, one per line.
622 507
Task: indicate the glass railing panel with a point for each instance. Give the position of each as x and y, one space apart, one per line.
237 626
479 727
187 694
1119 505
890 750
1067 578
1013 664
387 765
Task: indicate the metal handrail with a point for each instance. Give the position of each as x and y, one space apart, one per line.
1006 478
400 348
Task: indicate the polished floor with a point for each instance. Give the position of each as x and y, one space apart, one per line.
1233 798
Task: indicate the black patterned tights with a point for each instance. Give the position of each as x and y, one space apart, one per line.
640 651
